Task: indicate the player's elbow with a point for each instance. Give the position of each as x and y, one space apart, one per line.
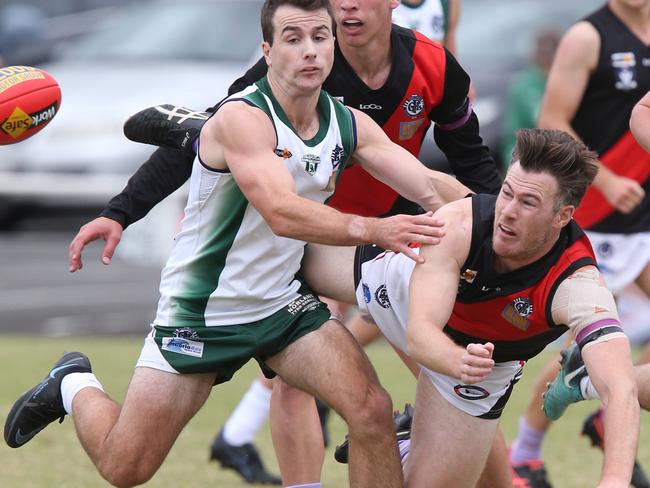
280 225
414 347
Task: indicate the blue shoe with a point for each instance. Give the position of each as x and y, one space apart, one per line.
42 405
565 388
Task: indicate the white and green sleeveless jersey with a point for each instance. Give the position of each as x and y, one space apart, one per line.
227 267
430 17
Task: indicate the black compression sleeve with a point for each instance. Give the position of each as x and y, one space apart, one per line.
457 133
161 175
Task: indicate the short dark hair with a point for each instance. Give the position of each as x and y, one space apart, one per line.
270 6
573 164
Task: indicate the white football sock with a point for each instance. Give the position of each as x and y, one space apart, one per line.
73 383
249 415
587 389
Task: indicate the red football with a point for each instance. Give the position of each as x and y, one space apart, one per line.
29 99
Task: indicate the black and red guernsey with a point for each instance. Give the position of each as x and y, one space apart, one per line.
512 310
426 84
621 78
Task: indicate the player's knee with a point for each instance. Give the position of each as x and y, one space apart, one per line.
126 473
371 410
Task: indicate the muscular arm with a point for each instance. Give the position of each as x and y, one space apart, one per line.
432 293
584 303
457 133
609 364
575 60
410 178
640 122
244 137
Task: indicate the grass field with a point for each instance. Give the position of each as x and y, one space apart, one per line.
55 459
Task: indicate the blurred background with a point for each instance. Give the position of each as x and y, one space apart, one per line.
113 58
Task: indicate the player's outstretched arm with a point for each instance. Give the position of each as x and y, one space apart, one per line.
432 293
244 137
640 122
587 307
399 169
609 364
165 171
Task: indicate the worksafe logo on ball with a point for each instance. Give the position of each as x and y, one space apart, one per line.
181 345
19 121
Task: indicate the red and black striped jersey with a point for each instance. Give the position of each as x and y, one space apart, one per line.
512 310
620 79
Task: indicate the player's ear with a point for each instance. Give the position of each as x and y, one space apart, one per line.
565 215
266 51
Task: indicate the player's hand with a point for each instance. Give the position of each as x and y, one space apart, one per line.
476 362
101 228
622 193
397 232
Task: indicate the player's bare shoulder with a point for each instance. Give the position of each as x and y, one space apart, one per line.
457 217
581 43
235 128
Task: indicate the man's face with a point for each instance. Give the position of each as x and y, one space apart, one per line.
525 220
358 21
303 47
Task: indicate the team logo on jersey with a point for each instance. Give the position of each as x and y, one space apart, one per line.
186 333
311 162
409 129
337 155
413 106
518 311
283 153
468 275
471 392
366 293
381 295
523 306
624 69
605 250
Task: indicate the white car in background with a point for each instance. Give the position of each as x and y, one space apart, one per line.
150 52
